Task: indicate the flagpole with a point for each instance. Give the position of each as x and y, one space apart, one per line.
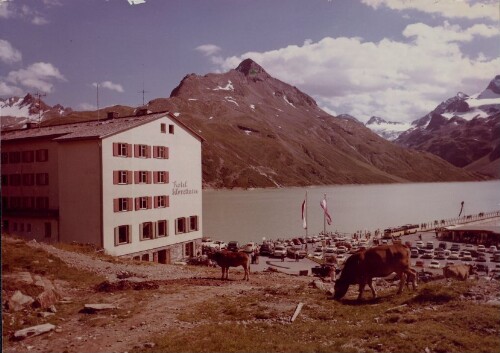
324 219
306 214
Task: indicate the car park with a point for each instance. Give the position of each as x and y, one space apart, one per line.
341 250
481 249
296 252
419 263
453 256
466 256
419 244
249 247
481 259
492 249
414 253
429 254
429 245
442 245
439 256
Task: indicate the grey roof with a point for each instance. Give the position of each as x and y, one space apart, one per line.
87 130
478 228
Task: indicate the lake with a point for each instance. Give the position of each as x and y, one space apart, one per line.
250 215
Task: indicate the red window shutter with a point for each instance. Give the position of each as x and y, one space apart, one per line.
167 201
136 177
129 203
129 150
148 151
155 151
149 202
156 202
148 177
137 203
136 150
167 177
116 205
115 149
129 177
166 152
116 236
155 177
116 176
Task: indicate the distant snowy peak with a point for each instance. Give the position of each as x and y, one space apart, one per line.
390 130
492 91
17 111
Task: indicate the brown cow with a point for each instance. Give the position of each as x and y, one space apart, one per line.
460 272
226 259
380 261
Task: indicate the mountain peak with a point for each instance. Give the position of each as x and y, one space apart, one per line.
248 67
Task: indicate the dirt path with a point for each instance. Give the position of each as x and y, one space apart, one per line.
141 313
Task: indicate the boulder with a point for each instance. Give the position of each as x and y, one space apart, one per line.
33 331
46 299
18 301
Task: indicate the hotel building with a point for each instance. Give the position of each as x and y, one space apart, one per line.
132 185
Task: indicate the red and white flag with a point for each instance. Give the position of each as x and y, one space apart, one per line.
325 209
304 221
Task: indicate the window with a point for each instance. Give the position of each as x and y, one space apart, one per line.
42 203
161 201
42 155
160 177
122 204
146 230
163 128
162 230
48 229
5 158
142 177
28 156
42 179
15 202
122 235
193 223
171 129
122 177
15 179
121 149
28 202
189 249
28 179
142 151
180 225
5 180
142 203
15 157
160 152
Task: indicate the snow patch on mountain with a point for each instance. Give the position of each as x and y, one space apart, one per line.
227 87
389 130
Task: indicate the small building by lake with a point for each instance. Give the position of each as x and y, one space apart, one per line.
477 234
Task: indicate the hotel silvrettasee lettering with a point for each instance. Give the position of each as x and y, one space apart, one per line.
181 188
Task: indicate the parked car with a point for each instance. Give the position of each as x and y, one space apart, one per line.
341 258
455 247
481 259
492 249
294 251
233 246
495 258
206 241
414 253
341 250
442 245
466 256
419 244
482 268
453 256
218 245
419 263
434 264
279 250
249 247
439 256
481 249
266 249
429 254
429 245
330 251
296 241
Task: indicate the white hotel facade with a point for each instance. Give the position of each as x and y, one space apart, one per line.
131 185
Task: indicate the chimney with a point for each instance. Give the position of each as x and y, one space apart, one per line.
143 111
112 115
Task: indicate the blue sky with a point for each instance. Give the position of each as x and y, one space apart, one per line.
396 59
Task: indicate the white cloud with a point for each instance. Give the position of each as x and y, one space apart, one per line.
6 10
110 85
7 90
38 76
208 49
445 8
39 20
10 9
392 79
9 54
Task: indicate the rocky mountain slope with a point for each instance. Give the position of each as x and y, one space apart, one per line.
464 130
262 132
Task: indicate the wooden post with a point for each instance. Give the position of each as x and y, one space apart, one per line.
297 311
